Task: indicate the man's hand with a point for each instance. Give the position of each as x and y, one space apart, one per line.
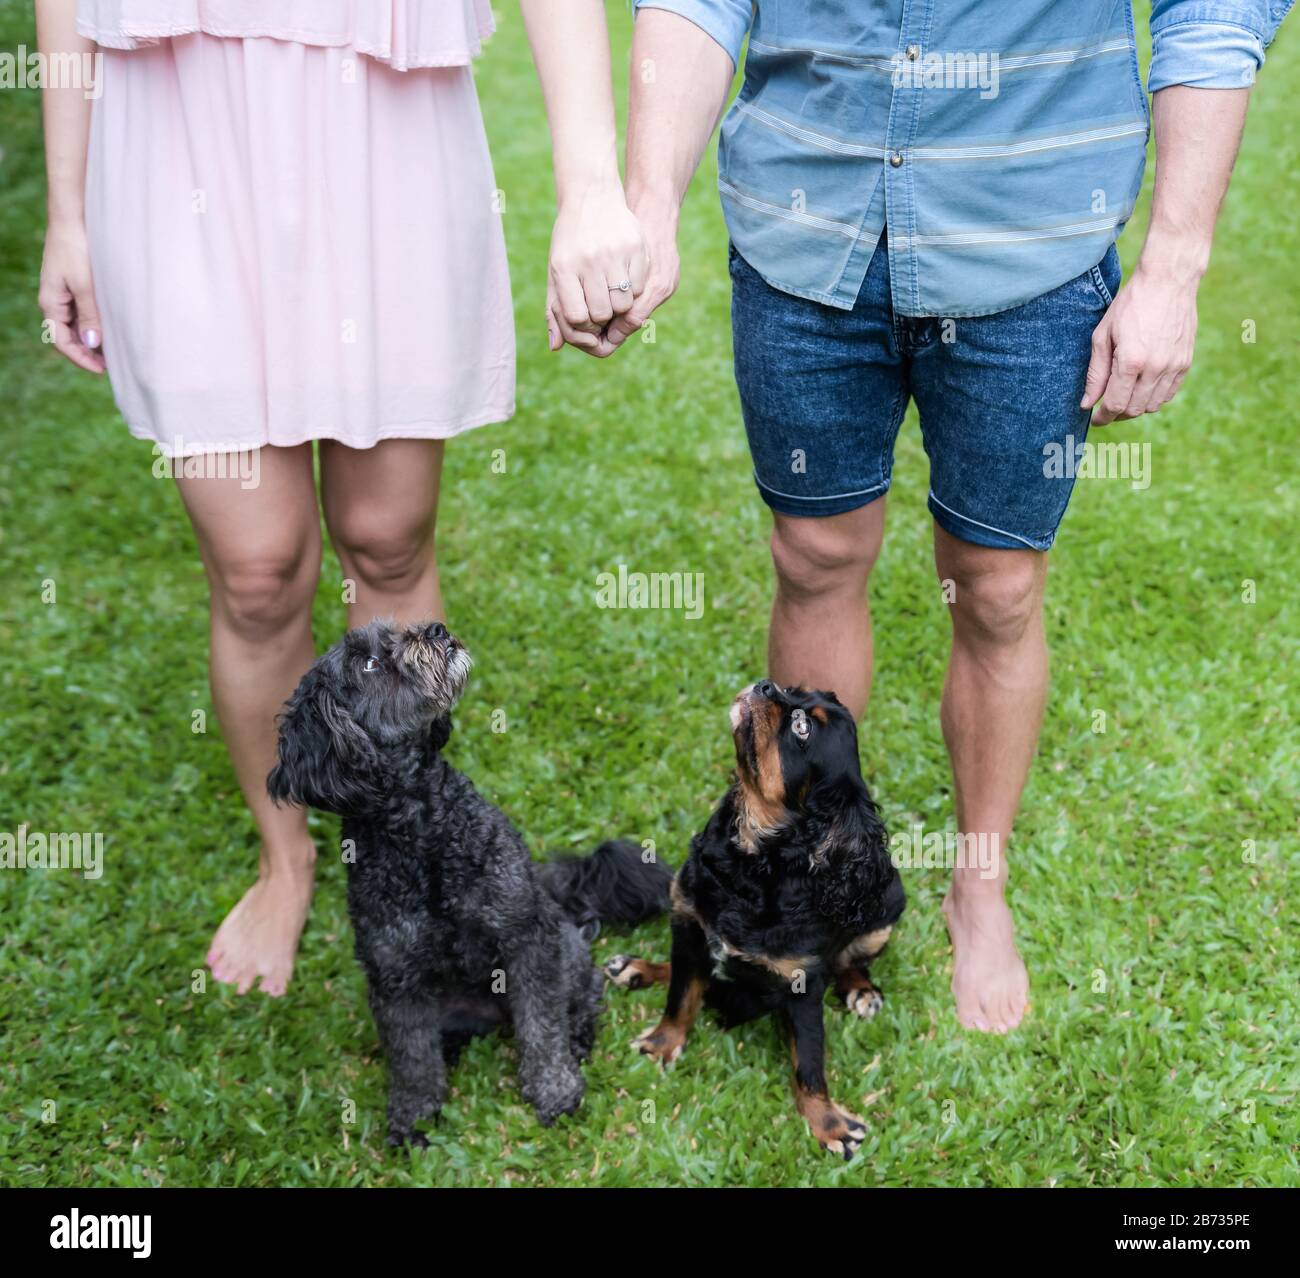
1142 349
671 115
660 230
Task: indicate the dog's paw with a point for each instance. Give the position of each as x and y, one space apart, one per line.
636 973
405 1110
622 970
558 1091
865 1002
664 1043
837 1130
408 1138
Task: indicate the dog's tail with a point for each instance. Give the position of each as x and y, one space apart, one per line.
615 884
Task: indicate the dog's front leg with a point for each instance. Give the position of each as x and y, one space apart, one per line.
411 1037
688 977
549 1075
833 1128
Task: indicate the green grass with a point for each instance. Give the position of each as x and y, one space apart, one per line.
1162 1044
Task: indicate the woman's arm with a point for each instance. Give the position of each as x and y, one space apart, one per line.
597 243
67 294
669 123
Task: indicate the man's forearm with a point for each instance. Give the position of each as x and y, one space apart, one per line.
679 84
1197 133
1143 346
680 79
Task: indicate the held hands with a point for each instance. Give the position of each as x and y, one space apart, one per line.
1142 349
67 297
598 244
597 269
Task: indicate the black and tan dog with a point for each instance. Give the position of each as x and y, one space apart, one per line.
787 892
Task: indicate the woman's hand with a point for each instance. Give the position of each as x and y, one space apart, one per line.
597 268
596 247
67 297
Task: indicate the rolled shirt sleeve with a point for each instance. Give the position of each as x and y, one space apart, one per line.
1211 45
727 21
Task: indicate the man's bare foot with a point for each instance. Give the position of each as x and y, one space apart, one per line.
989 981
259 938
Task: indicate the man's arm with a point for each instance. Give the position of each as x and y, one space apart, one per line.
1204 59
1142 349
680 78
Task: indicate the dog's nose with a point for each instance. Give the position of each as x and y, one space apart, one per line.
436 630
765 689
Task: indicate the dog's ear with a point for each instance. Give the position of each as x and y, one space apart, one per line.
851 855
326 760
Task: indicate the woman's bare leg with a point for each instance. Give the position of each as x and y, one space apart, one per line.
261 549
381 505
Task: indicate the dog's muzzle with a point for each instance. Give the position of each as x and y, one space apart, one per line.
459 663
742 708
436 655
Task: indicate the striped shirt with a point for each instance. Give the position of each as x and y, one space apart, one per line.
1000 143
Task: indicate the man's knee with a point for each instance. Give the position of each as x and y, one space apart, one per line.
387 553
260 594
822 556
996 594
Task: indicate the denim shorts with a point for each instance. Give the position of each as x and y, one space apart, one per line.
823 392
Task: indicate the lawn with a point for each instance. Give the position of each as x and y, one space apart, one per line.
1154 867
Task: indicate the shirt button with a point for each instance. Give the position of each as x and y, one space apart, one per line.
913 52
896 159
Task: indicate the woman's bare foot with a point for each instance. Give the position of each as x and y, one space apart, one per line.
259 938
989 981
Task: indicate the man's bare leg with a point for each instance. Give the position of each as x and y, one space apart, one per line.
992 707
820 634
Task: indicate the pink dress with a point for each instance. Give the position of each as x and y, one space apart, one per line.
294 226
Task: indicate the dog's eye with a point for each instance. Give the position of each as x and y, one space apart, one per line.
800 725
372 664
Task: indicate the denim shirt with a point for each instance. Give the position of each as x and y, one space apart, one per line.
1000 143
